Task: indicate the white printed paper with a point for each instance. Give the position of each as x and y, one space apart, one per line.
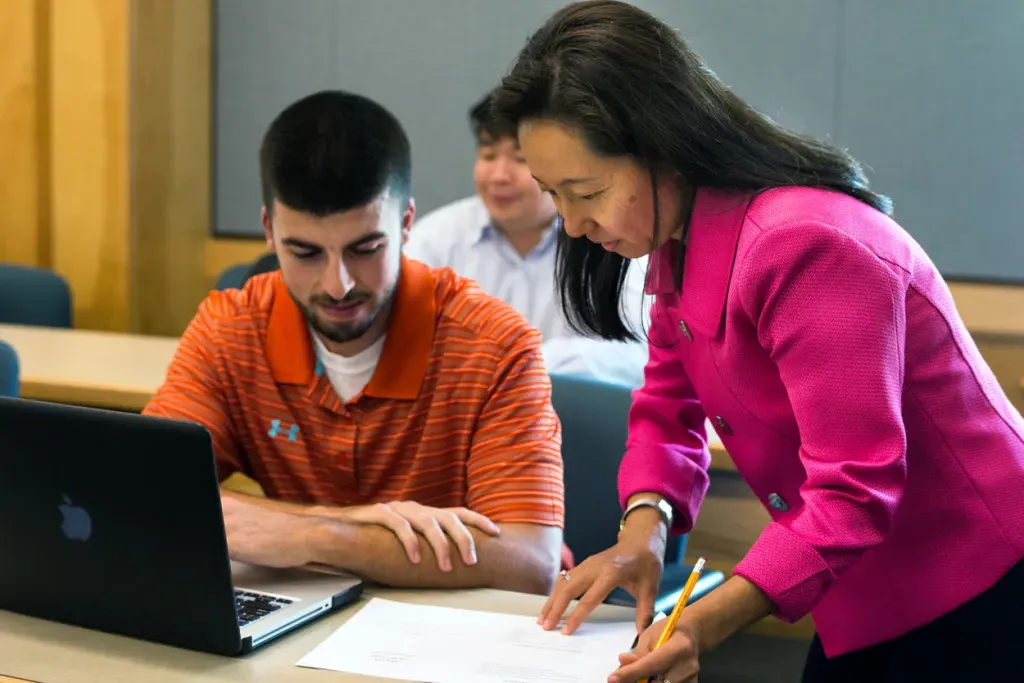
396 640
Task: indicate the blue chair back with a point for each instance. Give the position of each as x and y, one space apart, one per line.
34 296
264 264
594 416
9 375
233 277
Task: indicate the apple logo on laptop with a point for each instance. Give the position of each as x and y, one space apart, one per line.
76 523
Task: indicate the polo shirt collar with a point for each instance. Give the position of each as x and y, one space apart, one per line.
406 355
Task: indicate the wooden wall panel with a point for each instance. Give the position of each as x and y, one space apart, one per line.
991 309
23 105
105 123
222 253
89 158
170 161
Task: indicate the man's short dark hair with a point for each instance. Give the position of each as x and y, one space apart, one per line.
486 129
333 151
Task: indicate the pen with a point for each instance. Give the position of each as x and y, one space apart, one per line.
670 623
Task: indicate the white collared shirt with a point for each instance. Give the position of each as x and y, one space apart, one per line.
461 236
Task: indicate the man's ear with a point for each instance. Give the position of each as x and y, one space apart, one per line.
268 230
408 218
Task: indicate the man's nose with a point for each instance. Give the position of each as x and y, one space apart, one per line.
338 281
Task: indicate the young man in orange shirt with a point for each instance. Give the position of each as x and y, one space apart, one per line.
398 419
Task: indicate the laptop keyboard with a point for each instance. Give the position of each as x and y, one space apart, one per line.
252 606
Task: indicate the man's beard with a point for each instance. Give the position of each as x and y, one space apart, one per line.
342 333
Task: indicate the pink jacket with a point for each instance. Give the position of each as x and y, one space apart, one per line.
827 350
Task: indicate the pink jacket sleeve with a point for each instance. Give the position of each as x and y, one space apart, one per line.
666 451
831 314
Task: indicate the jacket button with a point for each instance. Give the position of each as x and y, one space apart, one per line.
777 502
721 426
685 330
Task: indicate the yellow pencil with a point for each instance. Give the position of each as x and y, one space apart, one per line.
673 619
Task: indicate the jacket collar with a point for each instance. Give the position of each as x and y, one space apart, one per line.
715 225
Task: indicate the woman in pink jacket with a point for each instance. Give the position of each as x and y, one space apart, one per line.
817 336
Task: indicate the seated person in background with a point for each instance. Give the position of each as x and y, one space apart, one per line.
504 237
397 417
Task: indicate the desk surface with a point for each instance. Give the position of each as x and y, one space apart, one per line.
55 653
103 369
121 371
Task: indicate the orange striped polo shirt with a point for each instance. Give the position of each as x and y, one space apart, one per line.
457 413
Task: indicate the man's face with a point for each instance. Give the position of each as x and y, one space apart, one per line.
342 270
503 181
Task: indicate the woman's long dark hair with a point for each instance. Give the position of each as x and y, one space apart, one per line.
631 86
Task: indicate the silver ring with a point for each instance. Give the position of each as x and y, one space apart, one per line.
565 575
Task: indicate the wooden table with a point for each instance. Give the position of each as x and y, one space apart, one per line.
102 369
55 653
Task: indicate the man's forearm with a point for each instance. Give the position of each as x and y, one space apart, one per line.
516 560
284 506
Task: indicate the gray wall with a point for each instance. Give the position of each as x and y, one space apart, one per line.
929 94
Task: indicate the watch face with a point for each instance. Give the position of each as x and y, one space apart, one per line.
666 510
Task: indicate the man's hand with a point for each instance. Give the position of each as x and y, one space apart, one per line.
269 538
440 526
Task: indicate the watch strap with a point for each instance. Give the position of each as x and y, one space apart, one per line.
661 505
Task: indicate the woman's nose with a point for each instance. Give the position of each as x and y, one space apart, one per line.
576 226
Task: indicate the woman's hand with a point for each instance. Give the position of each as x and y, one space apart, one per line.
635 563
675 661
701 627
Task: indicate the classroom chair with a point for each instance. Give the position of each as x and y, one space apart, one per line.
264 264
593 416
9 376
233 277
33 296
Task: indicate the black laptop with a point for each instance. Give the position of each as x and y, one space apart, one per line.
112 521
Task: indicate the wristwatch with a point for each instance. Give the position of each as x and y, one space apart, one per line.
659 504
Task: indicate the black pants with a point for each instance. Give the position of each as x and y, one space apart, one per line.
982 641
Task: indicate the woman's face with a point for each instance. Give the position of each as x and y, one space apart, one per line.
608 200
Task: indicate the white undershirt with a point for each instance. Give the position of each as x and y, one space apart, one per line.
349 375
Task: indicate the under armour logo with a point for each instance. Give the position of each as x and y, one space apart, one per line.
275 429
